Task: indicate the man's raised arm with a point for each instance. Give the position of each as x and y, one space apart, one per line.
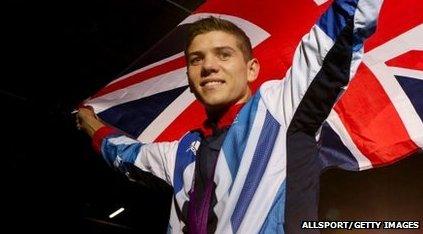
323 64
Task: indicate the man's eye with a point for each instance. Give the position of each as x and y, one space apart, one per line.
195 60
225 55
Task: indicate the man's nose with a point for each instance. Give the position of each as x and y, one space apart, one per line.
210 65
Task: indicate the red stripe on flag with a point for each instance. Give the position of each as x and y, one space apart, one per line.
412 59
372 121
144 75
192 118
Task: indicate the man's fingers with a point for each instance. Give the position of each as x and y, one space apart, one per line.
87 107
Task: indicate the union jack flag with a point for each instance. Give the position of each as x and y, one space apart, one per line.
376 122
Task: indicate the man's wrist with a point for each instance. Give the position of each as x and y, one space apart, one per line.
92 125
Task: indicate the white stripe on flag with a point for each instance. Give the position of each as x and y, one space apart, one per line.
320 2
167 116
407 72
158 84
173 57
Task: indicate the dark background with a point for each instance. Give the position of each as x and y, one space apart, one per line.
57 53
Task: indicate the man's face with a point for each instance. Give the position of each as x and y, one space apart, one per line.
218 74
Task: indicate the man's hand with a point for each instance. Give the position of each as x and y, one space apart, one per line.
87 120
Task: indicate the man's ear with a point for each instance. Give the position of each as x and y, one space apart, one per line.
253 67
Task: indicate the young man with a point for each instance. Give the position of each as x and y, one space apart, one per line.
253 167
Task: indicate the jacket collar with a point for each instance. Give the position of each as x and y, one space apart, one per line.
213 125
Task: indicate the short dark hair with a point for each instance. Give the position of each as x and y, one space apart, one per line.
210 24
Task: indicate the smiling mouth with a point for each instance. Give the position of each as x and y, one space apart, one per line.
210 84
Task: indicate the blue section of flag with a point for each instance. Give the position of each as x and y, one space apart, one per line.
135 116
334 19
258 165
332 152
414 90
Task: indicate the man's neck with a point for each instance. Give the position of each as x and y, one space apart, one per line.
220 119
